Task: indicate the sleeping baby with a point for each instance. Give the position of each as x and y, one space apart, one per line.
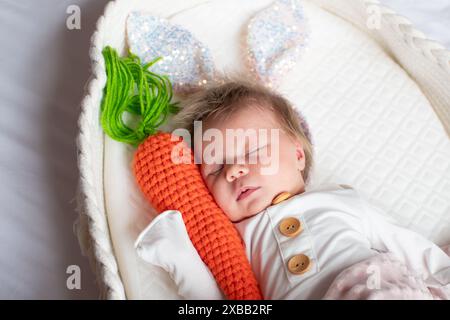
255 157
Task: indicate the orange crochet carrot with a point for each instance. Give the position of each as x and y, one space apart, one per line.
167 185
171 186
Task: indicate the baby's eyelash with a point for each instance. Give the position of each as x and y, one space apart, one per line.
217 171
257 149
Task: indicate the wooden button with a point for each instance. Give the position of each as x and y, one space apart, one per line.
281 197
290 227
299 264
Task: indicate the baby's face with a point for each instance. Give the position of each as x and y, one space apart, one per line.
265 168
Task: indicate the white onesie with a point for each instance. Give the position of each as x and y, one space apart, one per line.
299 246
323 231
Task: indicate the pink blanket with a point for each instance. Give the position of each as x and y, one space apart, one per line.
383 277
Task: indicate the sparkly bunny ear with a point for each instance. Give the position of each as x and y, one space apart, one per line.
276 38
185 60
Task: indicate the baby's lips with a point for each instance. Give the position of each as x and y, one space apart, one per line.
240 190
244 189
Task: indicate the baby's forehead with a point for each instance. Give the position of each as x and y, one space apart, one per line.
239 142
245 116
245 123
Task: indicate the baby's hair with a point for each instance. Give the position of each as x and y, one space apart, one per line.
222 100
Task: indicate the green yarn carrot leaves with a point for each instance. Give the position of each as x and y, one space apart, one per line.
131 87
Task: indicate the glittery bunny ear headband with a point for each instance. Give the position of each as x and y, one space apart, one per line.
275 39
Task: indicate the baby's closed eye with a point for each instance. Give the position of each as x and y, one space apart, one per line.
216 170
250 158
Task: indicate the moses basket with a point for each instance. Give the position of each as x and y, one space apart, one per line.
376 94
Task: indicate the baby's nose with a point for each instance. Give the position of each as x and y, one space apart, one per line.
236 171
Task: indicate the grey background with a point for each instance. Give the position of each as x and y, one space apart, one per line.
44 67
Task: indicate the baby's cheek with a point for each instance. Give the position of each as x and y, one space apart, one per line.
218 192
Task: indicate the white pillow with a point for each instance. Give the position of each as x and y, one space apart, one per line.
165 243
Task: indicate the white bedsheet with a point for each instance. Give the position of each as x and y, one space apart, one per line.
429 16
43 69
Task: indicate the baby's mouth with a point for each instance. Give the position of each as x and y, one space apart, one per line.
245 192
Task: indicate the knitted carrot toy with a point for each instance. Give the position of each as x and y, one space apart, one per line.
166 184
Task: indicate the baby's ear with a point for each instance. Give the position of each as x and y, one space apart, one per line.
300 155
